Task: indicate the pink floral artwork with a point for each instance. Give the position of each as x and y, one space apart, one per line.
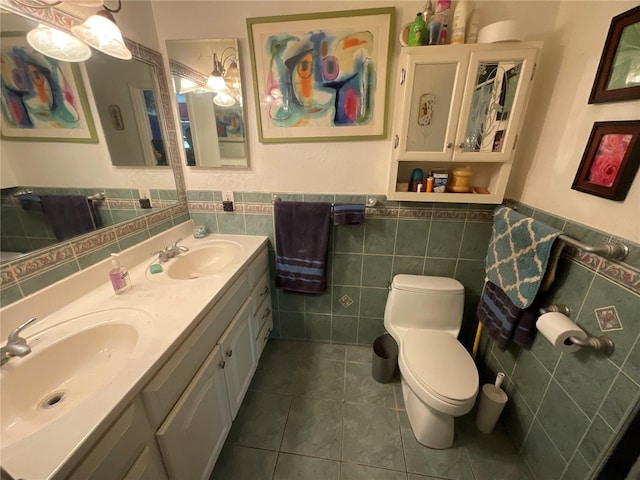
607 160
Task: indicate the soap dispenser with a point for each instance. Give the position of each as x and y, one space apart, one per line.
119 276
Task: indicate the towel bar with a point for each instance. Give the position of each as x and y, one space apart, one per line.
95 196
616 250
371 201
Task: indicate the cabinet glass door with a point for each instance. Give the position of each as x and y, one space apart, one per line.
431 102
495 95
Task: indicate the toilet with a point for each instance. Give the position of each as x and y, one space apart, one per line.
439 377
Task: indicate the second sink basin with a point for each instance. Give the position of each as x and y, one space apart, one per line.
68 364
208 259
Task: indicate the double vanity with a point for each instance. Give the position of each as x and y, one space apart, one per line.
143 385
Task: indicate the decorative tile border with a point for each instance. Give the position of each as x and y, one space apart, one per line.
43 261
91 243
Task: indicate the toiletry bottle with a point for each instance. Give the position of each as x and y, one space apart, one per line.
459 22
417 176
417 31
119 276
442 39
474 26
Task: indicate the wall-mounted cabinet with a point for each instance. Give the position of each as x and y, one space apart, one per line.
459 105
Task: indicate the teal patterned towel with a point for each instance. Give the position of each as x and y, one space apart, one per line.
518 254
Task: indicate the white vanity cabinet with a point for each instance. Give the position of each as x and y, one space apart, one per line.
459 105
192 436
195 396
127 450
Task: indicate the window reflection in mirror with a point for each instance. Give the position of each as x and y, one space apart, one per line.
208 90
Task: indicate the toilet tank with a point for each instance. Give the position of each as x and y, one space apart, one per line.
417 301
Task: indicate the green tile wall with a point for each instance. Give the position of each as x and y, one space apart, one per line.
566 410
436 239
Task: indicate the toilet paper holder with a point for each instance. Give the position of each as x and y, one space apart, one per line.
602 344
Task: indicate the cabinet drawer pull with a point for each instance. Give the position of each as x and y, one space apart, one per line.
266 337
266 313
449 145
229 353
403 76
461 145
396 141
265 291
221 365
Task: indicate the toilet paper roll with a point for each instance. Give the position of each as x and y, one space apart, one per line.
557 328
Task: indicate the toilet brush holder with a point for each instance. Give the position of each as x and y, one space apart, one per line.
492 402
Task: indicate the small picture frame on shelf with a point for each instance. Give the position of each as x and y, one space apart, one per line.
610 161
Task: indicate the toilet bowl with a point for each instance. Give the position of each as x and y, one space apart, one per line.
439 377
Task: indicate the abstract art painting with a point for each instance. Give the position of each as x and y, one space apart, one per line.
41 99
321 77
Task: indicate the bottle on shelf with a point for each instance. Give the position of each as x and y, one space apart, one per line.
119 276
460 16
417 31
474 26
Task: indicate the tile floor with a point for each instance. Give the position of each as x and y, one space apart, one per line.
313 412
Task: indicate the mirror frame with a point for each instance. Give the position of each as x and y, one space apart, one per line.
62 253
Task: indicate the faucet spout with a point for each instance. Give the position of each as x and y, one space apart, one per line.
16 345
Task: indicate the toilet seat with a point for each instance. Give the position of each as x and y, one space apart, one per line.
440 365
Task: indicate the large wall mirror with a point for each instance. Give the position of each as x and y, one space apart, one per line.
208 88
135 155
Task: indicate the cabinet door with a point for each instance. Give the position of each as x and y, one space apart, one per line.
192 436
495 97
430 95
239 353
148 466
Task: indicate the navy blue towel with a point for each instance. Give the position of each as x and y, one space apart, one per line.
302 241
503 320
348 214
69 215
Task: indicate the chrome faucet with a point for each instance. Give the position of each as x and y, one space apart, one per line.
16 345
169 252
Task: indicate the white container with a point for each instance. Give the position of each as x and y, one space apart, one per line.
474 27
492 402
506 31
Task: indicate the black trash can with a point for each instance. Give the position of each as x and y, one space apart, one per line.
385 358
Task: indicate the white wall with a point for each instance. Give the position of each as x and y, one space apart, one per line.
560 120
556 127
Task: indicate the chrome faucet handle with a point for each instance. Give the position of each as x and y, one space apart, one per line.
14 336
182 248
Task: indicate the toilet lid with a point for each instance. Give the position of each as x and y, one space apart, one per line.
440 364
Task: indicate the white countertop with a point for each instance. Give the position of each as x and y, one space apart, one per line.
173 308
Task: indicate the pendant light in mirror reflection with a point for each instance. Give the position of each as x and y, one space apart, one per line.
206 79
98 31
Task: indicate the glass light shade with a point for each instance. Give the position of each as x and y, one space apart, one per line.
57 44
104 35
217 84
187 86
223 99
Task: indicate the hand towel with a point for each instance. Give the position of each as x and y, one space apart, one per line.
69 215
518 254
348 214
302 241
503 320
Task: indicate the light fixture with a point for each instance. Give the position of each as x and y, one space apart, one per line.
58 44
101 32
98 31
223 99
225 67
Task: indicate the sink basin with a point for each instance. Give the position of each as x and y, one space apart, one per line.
201 261
68 364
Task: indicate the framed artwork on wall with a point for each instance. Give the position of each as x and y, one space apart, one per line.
322 77
618 75
42 99
610 161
